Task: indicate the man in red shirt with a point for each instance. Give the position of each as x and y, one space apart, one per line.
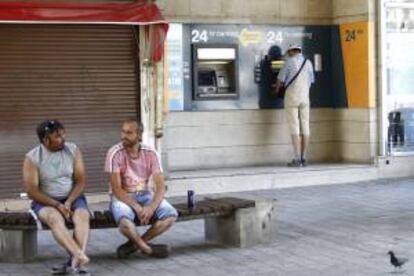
131 165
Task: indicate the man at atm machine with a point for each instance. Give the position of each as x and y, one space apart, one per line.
297 76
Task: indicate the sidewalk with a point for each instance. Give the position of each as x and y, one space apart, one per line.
322 230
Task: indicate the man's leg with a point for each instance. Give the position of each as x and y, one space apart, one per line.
292 115
52 218
81 232
165 216
127 228
125 216
304 146
305 129
158 228
296 143
155 230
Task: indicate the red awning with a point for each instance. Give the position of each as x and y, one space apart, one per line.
141 12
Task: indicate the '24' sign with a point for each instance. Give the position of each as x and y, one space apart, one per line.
351 35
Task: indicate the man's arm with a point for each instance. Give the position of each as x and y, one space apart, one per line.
148 211
123 196
78 178
31 185
277 86
281 78
283 73
159 190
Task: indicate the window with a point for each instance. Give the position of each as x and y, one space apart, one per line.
397 76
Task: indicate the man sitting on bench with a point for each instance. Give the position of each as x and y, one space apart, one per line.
131 165
54 178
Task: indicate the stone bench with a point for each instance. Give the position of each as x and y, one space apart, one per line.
228 220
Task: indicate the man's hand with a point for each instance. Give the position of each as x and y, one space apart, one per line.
138 211
276 88
274 91
146 215
65 211
68 204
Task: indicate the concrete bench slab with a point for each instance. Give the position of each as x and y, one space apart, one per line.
228 220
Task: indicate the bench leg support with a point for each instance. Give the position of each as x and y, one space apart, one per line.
17 246
246 227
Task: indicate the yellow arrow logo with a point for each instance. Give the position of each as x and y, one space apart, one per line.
249 37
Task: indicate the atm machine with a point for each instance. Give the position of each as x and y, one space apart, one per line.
215 72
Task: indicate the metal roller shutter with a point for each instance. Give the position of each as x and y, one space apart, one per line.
86 76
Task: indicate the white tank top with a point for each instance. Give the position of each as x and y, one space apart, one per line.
55 169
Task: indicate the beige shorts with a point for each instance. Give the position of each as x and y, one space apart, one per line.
298 119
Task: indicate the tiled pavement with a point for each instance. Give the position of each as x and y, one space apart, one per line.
322 230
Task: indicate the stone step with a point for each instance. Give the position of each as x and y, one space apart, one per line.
263 178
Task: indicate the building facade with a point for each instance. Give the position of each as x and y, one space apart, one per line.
206 104
349 116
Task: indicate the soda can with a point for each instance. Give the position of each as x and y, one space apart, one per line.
190 199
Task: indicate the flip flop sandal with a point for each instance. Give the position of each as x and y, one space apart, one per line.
82 271
126 249
77 271
160 250
61 269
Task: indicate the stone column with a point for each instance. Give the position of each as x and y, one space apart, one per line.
17 246
246 227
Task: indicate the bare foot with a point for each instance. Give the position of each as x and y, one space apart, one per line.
80 260
145 248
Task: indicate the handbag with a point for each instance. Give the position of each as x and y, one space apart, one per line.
282 89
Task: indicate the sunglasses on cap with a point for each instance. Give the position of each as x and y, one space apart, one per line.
49 125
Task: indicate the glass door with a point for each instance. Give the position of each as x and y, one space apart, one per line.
397 59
